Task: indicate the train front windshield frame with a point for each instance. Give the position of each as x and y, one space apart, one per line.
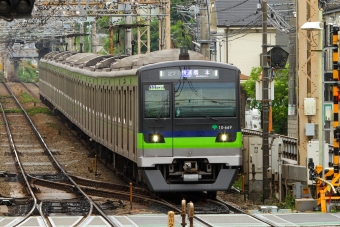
169 94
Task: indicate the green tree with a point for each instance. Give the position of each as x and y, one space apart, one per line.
1 76
179 34
280 102
249 85
154 35
27 72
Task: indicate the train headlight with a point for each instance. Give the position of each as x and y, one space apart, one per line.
223 137
156 138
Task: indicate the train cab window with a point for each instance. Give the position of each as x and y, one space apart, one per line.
208 99
156 101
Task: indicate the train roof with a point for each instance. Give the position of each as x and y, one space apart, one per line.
98 62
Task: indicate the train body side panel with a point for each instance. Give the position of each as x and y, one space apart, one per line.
103 106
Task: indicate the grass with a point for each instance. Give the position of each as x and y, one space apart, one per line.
289 202
13 110
37 110
25 98
3 98
238 183
6 96
53 125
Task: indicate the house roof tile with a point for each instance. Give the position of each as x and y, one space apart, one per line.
236 13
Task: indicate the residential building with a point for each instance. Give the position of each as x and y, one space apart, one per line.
237 31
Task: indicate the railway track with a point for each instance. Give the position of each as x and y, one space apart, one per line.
141 196
11 103
30 87
23 159
203 204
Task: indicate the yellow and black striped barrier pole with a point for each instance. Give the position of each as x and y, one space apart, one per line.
335 100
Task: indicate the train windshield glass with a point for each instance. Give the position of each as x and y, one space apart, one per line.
156 98
194 99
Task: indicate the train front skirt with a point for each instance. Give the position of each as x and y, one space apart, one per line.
155 182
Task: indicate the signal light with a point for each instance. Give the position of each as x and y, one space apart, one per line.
277 58
337 133
16 9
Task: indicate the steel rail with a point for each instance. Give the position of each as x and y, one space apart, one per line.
21 169
54 161
30 91
92 204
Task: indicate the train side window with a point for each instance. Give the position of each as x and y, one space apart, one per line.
131 97
119 106
125 107
133 119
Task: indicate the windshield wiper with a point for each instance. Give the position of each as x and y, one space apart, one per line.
162 107
208 117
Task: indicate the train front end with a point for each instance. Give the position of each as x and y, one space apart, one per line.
189 132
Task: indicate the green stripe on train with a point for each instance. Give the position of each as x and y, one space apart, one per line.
190 142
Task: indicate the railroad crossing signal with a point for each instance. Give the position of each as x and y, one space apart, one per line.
14 9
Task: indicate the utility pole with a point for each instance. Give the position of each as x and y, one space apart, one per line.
226 45
205 29
144 32
81 39
307 63
164 25
128 35
111 37
73 38
94 36
292 115
265 103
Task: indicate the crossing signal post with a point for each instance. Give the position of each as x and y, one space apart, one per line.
16 9
327 179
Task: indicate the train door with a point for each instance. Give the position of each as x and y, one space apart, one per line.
157 120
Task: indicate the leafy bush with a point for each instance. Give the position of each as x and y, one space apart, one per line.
280 102
238 183
27 71
289 202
